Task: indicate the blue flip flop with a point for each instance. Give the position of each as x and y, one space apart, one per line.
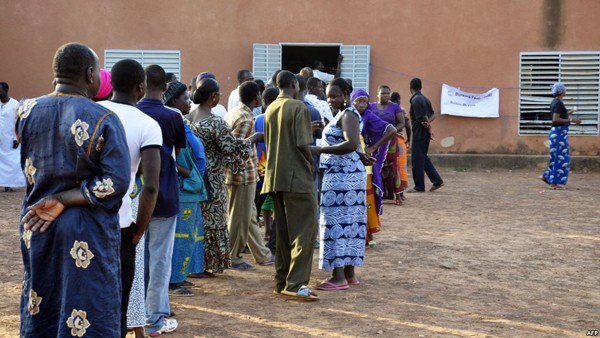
243 267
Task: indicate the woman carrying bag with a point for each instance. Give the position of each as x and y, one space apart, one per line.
189 232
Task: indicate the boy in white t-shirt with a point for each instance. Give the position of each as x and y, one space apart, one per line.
144 139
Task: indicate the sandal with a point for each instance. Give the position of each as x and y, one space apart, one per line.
204 274
303 294
330 286
180 292
243 267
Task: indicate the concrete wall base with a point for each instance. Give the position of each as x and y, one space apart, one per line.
505 161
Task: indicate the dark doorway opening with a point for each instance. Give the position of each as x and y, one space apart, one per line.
294 58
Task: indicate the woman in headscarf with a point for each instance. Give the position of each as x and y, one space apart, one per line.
188 250
376 134
222 149
393 114
557 173
105 91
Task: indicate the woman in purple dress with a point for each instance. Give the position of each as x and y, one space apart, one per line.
391 113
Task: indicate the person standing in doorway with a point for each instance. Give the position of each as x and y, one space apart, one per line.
420 115
319 70
11 175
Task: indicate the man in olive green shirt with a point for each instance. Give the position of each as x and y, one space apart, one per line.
288 176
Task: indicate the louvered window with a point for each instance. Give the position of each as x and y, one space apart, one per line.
578 71
266 60
170 60
356 65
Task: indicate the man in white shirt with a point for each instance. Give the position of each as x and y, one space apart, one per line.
318 70
234 97
11 175
144 139
315 90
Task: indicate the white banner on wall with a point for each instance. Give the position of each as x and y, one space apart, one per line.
458 103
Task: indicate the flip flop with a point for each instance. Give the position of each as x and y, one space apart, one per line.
354 282
243 267
204 274
329 286
303 294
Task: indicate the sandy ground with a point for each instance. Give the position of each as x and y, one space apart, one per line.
491 254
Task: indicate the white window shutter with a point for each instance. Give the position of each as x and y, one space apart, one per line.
170 60
578 71
355 65
266 59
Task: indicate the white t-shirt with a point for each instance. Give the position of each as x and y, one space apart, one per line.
325 77
219 110
234 99
141 132
321 106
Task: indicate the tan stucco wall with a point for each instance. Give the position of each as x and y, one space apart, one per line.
473 44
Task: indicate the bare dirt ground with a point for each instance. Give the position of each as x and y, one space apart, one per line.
491 254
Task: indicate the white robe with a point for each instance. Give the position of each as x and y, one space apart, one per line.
11 174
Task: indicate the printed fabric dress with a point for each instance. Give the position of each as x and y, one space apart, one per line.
343 212
390 172
559 164
221 150
72 278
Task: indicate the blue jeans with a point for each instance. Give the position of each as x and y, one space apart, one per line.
160 237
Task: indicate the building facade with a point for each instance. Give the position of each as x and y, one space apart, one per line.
520 47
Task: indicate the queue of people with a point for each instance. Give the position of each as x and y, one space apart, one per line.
132 200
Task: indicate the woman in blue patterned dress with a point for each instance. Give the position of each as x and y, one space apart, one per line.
557 173
343 214
75 157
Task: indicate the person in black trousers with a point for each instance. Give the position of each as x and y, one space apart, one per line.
421 114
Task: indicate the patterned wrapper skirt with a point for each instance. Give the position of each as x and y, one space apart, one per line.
560 156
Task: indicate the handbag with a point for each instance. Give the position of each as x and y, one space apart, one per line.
192 188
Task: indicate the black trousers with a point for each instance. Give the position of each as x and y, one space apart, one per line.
421 165
127 274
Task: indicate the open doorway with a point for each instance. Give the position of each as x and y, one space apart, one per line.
296 57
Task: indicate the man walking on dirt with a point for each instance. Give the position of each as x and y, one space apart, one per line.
421 114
